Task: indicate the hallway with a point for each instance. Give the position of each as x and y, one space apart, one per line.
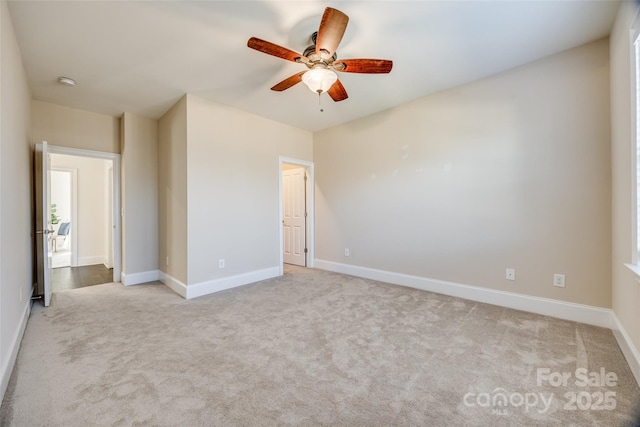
79 277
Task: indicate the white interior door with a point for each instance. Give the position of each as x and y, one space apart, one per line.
294 216
44 229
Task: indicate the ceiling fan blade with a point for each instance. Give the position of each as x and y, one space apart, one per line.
332 28
273 49
337 92
289 81
367 66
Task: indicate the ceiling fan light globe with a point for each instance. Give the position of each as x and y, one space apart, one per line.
319 80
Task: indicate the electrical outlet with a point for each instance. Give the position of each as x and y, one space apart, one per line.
346 252
510 274
221 263
558 280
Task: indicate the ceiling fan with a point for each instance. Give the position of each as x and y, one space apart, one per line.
321 58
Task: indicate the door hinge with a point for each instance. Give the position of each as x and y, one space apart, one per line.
305 176
305 214
305 250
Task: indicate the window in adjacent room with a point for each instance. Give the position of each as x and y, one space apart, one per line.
635 141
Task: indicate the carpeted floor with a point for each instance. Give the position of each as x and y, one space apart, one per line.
310 348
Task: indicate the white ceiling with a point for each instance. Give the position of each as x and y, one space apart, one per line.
141 57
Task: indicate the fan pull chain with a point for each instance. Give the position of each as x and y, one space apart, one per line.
319 102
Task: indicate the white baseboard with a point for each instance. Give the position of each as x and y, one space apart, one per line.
91 260
138 278
174 284
626 346
217 285
7 367
549 307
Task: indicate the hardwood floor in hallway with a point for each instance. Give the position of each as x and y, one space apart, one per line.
79 277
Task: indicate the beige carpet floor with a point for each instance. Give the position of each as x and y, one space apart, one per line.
310 348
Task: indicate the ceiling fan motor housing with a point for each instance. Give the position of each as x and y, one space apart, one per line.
314 58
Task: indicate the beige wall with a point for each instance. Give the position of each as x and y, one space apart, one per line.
172 191
135 138
15 197
68 127
509 171
625 290
92 227
233 175
139 194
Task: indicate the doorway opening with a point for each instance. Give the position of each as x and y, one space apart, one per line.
296 220
82 241
64 184
77 217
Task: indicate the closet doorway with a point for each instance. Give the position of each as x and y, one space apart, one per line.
296 201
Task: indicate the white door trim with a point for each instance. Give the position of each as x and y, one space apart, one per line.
117 218
310 209
109 213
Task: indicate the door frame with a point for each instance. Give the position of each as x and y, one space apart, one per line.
117 219
310 223
109 202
